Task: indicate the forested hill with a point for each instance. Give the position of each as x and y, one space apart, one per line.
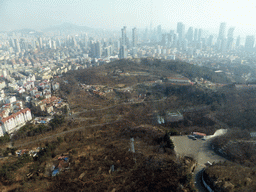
193 71
188 70
157 67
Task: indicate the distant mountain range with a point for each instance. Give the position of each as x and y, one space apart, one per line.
67 27
27 31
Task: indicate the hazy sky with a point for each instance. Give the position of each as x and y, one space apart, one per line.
38 14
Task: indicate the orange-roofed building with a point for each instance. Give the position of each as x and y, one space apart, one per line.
200 135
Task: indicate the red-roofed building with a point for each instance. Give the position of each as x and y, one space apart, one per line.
199 135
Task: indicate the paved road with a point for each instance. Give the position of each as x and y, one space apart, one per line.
198 149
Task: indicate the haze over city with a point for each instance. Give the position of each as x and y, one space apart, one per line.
114 14
125 95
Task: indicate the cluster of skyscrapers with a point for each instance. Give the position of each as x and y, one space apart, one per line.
197 38
124 43
161 41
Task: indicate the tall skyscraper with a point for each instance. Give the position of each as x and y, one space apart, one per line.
54 44
11 43
238 39
175 40
150 28
23 44
249 43
134 37
40 41
196 35
123 52
222 31
98 51
230 38
169 40
210 40
172 32
224 45
17 45
73 42
49 43
159 33
181 30
200 34
190 34
185 45
164 40
123 38
231 32
107 51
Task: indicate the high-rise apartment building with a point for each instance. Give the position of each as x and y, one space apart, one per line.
123 38
210 41
11 43
159 33
73 42
196 35
175 40
222 31
190 34
224 45
238 40
249 42
123 52
17 45
181 30
200 34
134 37
49 43
40 41
98 51
164 40
230 38
231 32
54 44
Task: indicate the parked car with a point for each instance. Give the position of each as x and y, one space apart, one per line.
191 136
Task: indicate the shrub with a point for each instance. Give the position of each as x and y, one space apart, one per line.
5 138
60 140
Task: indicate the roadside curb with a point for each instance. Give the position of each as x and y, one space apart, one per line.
205 184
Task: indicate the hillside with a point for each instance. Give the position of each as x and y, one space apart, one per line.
108 108
109 105
230 177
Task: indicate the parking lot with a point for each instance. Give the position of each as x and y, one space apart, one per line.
201 151
198 149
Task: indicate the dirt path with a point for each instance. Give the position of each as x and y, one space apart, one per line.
62 133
